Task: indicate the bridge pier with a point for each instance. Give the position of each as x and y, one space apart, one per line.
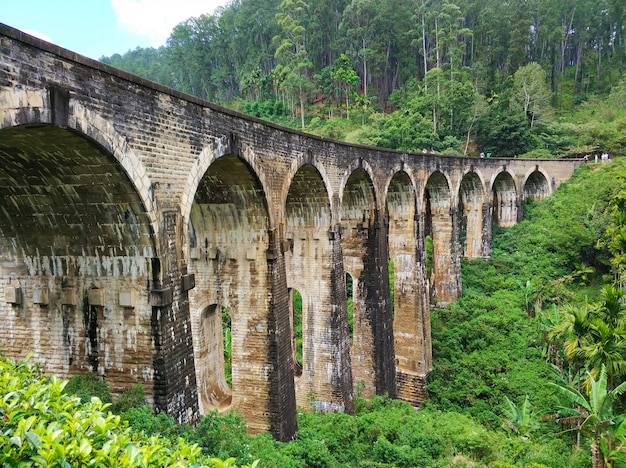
175 390
365 253
411 324
440 221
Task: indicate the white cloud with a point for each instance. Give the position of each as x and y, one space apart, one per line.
37 34
155 19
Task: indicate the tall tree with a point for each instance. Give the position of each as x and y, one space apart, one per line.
358 24
530 92
295 65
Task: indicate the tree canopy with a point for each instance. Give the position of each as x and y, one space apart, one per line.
469 63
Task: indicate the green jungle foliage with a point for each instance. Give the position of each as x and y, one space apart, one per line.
42 426
529 371
541 78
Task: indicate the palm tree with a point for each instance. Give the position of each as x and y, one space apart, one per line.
593 415
573 331
612 306
606 347
595 335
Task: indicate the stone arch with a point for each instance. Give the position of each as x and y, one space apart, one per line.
440 224
313 266
213 390
360 236
536 185
358 166
504 209
228 237
218 148
31 107
307 206
78 236
472 215
410 305
306 162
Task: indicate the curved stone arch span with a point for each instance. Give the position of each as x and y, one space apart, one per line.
350 170
317 214
229 210
503 198
438 184
410 174
102 131
473 174
88 124
94 131
541 187
499 175
297 164
401 177
206 158
351 200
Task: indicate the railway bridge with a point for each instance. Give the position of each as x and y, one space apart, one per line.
136 220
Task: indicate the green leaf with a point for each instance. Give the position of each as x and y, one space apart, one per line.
33 439
16 440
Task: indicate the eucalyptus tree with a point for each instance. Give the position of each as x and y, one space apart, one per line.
358 25
530 92
248 27
201 53
325 41
346 77
294 65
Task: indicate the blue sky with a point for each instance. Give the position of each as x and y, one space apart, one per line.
97 28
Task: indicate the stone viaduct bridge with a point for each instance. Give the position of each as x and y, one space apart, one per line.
132 216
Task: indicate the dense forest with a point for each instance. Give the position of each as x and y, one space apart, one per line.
543 78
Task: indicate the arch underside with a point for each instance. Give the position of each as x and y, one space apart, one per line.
74 232
504 201
537 186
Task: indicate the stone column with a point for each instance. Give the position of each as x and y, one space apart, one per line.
377 298
175 389
282 403
411 308
338 361
446 262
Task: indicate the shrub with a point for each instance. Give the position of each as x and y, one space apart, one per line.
42 426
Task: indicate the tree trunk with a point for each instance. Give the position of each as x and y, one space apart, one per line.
597 458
